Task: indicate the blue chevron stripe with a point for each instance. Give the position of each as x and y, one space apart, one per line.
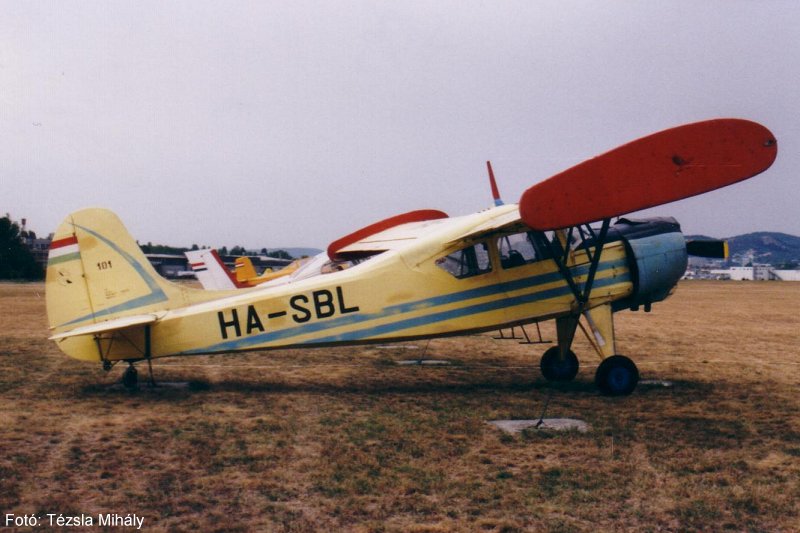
428 303
156 294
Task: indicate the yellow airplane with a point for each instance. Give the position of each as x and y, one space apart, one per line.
212 273
424 274
246 274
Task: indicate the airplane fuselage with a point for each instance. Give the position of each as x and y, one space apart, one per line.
396 295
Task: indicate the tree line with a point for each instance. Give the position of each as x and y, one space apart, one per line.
17 261
238 251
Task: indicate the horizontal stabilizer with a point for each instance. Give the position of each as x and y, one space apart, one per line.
109 325
663 167
711 248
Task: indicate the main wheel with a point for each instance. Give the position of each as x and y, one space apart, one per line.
617 376
130 378
556 368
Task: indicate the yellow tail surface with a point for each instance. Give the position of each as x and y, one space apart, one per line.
245 271
96 272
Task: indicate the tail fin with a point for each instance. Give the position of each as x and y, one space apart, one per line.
96 272
245 272
210 271
493 185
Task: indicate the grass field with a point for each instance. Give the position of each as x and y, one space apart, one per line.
344 439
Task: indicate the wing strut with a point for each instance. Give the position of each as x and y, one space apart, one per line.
561 253
148 352
566 326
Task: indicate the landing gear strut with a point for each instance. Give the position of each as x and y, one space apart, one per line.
559 362
130 378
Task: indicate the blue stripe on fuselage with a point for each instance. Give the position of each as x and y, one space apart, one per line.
442 316
427 303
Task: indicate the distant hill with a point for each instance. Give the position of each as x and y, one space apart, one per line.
777 249
765 247
700 238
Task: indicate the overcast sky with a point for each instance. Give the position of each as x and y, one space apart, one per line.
270 124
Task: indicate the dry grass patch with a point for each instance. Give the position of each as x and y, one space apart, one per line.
344 439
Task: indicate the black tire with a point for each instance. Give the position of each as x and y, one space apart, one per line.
130 378
617 376
554 368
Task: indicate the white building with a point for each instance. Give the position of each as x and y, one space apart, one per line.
787 275
756 273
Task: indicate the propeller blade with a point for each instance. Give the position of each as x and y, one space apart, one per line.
711 248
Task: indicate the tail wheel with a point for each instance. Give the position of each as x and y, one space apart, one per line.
557 368
617 376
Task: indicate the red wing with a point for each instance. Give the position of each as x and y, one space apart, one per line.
663 167
412 216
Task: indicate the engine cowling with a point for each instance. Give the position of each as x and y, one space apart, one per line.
657 258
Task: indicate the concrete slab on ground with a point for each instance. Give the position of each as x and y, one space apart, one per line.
434 362
655 383
547 424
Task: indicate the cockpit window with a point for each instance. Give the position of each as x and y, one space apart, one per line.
467 262
522 248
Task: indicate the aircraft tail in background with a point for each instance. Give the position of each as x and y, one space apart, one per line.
210 271
245 271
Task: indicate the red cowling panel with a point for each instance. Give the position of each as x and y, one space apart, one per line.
663 167
412 216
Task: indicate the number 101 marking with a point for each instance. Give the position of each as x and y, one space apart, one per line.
104 265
